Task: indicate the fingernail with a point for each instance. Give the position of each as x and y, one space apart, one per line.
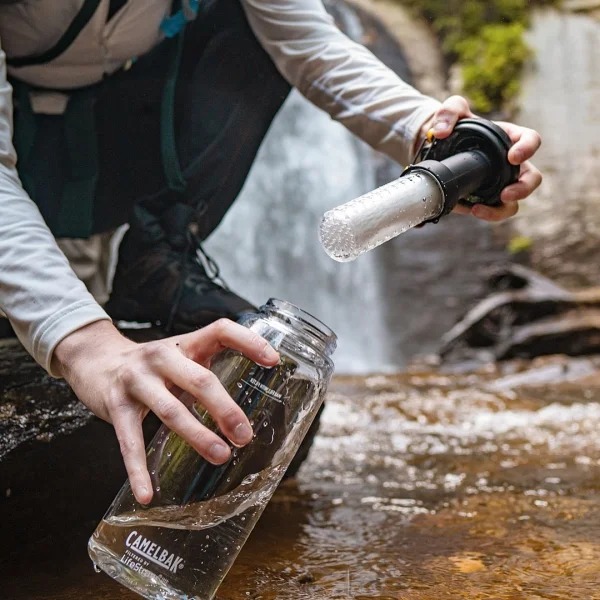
509 196
441 127
219 452
144 492
269 353
242 434
518 156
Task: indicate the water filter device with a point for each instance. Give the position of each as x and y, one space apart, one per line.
468 167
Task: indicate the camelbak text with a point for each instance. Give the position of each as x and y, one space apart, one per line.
157 554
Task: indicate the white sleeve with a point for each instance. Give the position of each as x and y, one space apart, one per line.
340 76
39 293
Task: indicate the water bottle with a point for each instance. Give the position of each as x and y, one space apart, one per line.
181 545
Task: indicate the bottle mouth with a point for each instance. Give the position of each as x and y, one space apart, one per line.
302 321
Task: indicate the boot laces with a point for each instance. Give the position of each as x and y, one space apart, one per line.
211 268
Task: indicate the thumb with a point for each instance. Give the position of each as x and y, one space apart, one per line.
446 117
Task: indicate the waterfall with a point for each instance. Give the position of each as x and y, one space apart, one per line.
390 303
268 245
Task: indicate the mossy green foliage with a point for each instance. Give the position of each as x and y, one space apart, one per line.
492 63
486 39
520 243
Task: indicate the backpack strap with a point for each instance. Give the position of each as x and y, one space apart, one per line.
82 18
183 11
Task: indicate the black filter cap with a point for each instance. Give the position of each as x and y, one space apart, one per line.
494 143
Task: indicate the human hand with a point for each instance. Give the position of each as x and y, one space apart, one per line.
526 143
121 381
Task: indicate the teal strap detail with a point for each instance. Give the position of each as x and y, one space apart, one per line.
175 24
79 22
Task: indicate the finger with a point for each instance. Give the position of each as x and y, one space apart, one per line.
204 385
128 427
530 180
487 213
526 142
180 420
446 117
525 148
202 344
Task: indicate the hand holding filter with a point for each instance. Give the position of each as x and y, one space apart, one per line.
470 167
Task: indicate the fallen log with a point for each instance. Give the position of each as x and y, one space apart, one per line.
527 315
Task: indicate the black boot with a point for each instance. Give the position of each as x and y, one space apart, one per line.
163 276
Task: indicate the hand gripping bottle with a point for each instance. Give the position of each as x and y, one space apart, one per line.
182 544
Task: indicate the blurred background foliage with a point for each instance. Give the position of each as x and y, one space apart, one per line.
486 40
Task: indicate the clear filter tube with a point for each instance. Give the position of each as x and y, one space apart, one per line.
364 223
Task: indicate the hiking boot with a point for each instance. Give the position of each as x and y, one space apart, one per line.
176 285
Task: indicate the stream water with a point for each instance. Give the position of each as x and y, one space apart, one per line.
422 486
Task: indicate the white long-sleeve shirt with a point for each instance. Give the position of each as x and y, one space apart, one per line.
39 292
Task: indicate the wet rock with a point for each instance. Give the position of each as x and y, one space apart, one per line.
60 467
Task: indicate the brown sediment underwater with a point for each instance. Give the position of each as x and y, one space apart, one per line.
424 485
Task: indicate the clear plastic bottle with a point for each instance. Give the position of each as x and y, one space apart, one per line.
364 223
182 544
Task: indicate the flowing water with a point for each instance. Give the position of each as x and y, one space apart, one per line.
425 485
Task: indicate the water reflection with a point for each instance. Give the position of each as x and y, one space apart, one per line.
425 485
433 486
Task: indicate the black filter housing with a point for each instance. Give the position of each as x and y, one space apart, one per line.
471 165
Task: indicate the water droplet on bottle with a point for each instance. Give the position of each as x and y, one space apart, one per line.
168 454
239 384
158 488
228 479
265 423
97 568
208 537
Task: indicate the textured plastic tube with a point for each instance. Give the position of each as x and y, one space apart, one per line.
364 223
